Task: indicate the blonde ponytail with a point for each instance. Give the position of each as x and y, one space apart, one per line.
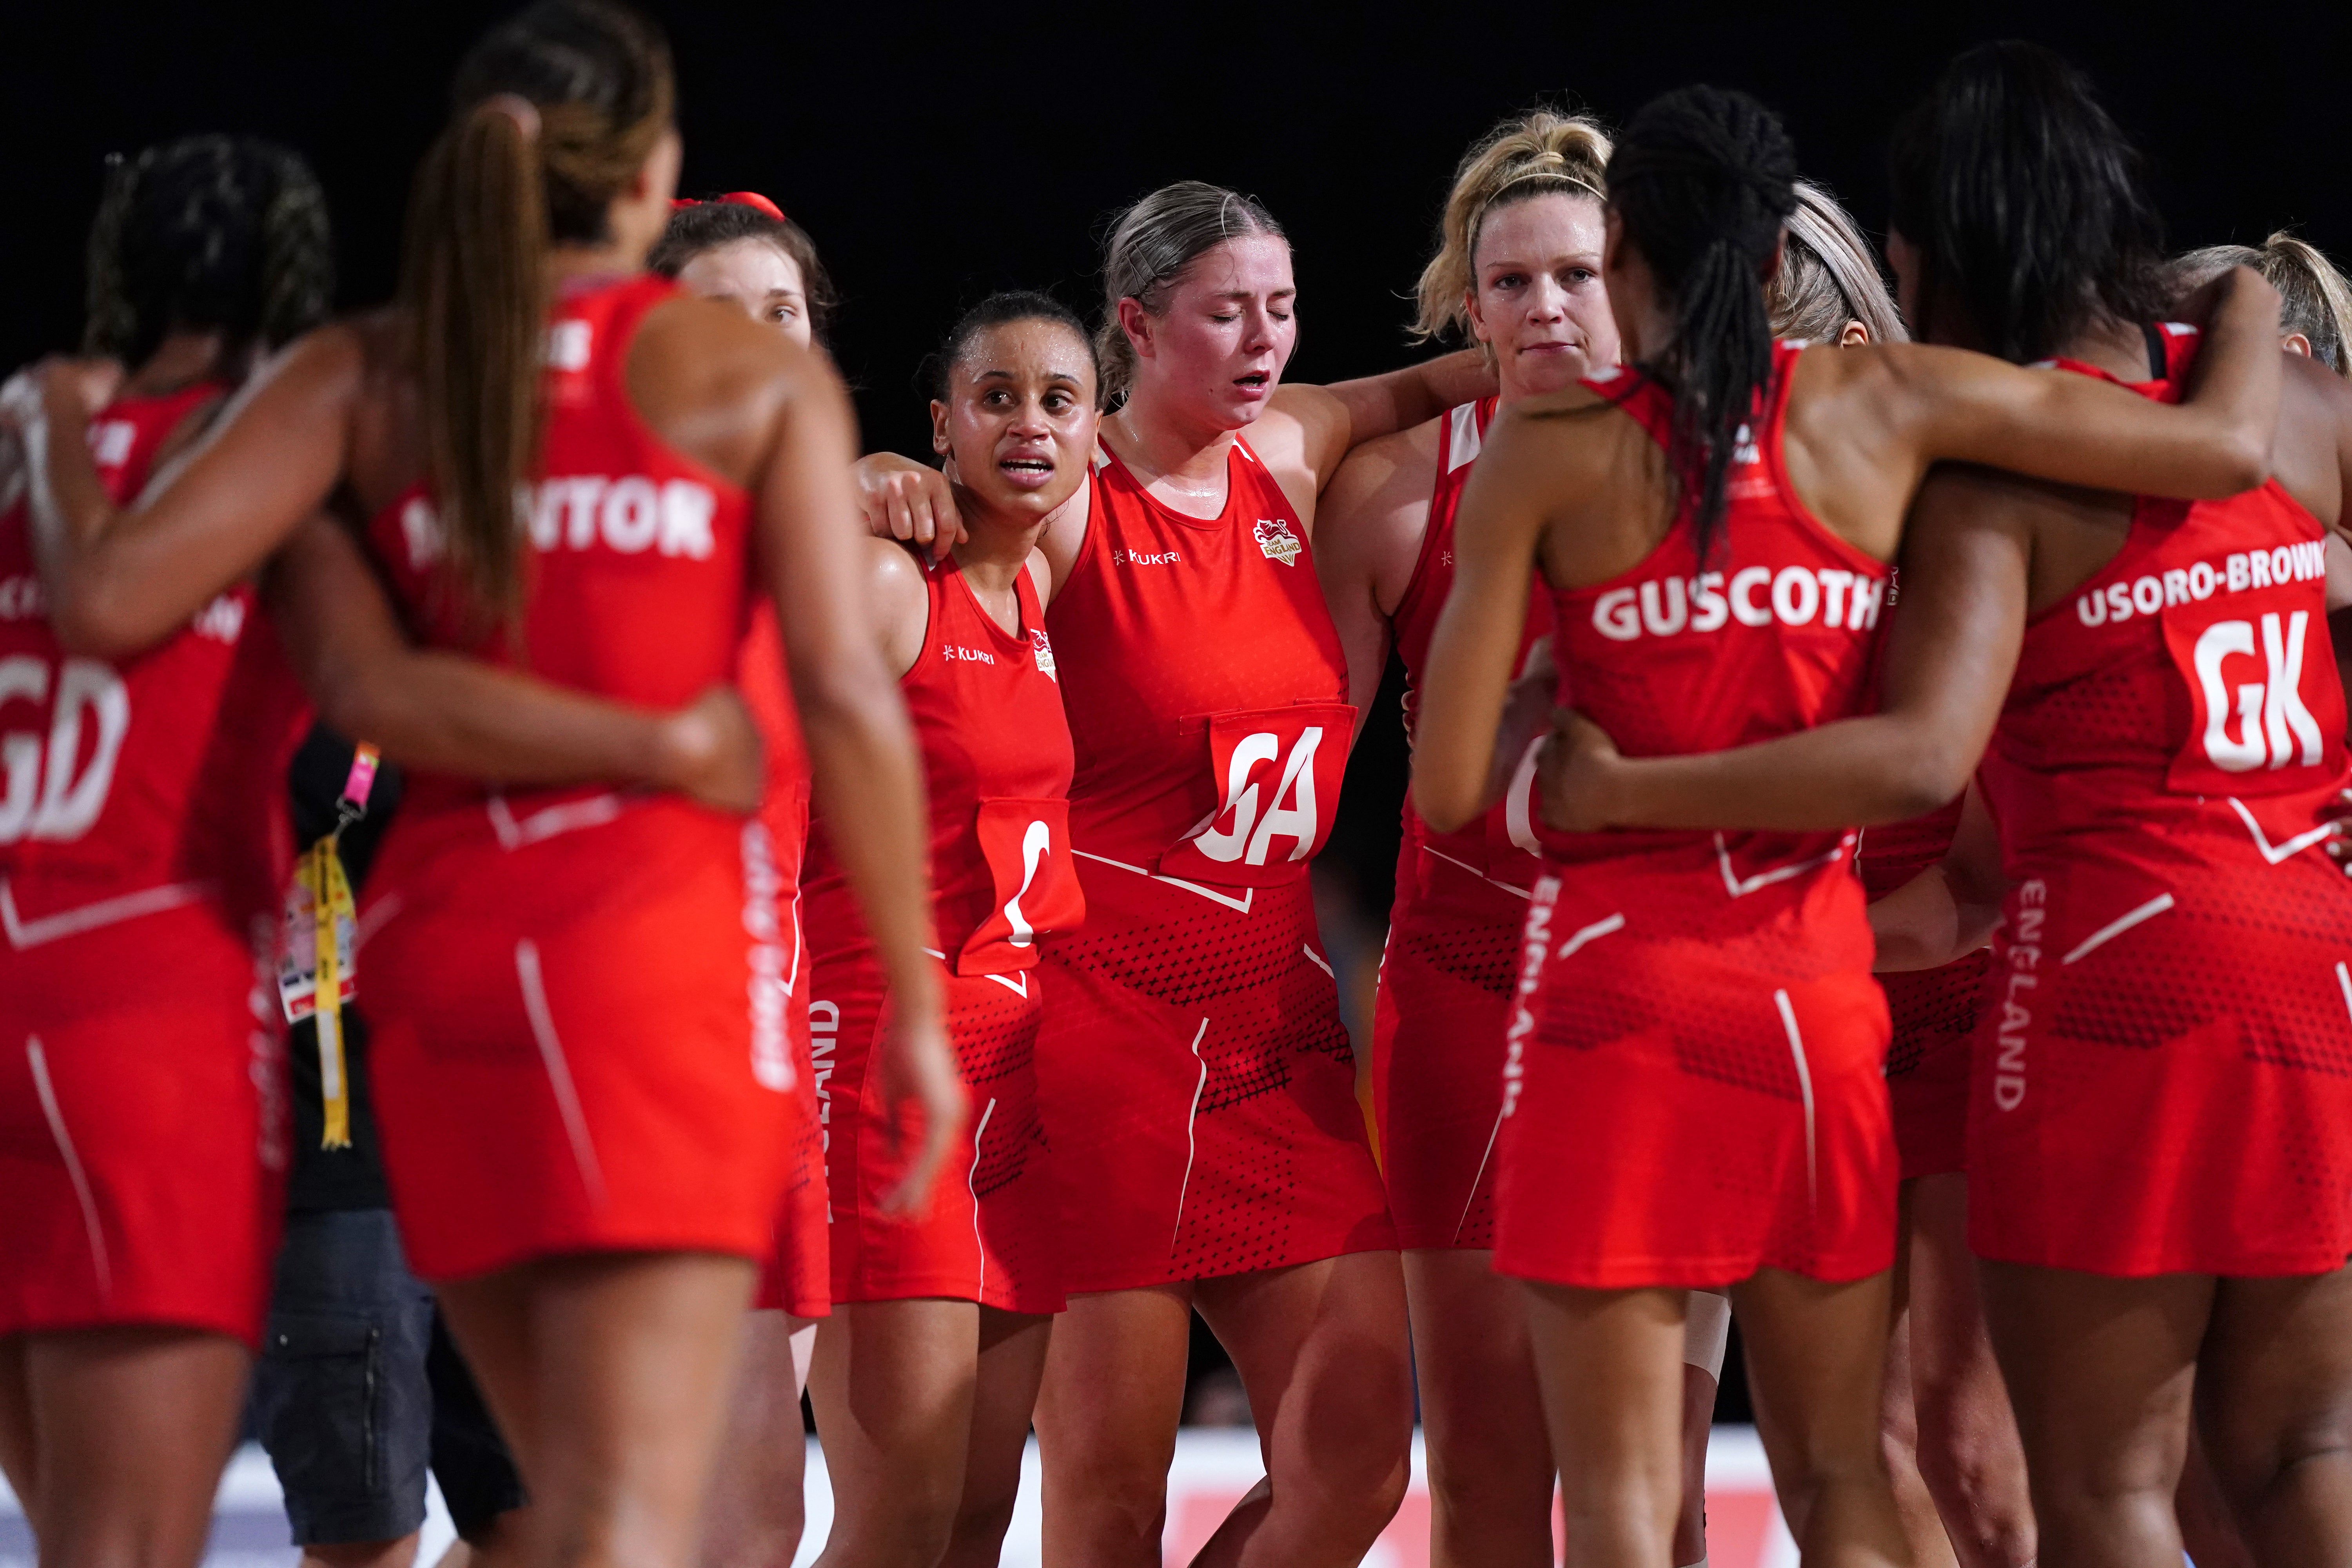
1539 154
1828 277
2315 298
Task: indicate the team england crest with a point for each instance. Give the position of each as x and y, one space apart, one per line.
1276 542
1044 651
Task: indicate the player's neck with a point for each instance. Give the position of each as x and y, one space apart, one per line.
1160 446
2120 348
994 552
182 359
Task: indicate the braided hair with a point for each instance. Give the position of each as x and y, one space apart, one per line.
226 234
1702 181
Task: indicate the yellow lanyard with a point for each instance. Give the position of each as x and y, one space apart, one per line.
334 921
335 915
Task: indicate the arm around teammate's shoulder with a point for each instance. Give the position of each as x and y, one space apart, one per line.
1317 426
431 709
119 580
900 601
1950 656
2080 430
1366 543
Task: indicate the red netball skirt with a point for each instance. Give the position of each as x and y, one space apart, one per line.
579 1040
797 1277
2164 1072
1437 1049
1935 1013
988 1234
1693 1090
1200 1089
143 1124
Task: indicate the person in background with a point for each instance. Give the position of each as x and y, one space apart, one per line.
2314 297
360 1389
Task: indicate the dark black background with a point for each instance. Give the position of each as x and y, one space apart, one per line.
937 152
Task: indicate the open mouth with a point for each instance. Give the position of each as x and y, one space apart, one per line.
1028 472
1255 383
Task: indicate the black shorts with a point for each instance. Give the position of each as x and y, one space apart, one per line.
358 1390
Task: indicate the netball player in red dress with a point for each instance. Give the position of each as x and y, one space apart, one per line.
582 1073
1207 1138
142 1145
1693 1093
122 1370
2158 1159
927 1373
1951 1443
741 250
1519 270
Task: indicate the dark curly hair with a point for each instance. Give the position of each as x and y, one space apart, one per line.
219 232
1703 180
2023 200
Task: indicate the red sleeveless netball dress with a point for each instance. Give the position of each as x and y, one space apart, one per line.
1196 1073
1454 934
143 836
797 1275
1693 1084
1935 1011
2164 1073
996 764
580 1044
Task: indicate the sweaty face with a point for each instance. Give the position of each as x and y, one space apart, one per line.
757 278
1216 354
1019 421
1537 297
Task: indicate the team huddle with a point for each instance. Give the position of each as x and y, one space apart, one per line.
1871 866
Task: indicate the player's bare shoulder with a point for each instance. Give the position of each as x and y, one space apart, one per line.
1573 434
1392 468
713 382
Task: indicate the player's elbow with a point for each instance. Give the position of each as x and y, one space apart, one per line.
848 701
1445 805
1919 776
349 703
94 623
2243 462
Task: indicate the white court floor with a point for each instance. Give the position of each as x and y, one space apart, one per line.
1212 1469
